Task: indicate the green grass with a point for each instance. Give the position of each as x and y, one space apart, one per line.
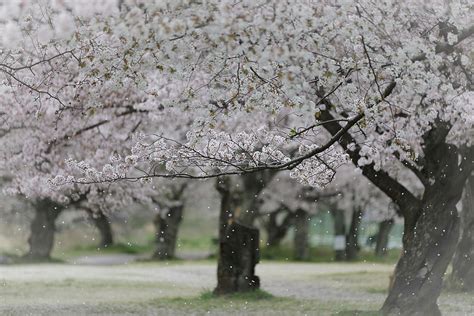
257 303
325 254
256 295
364 281
119 248
16 259
116 248
197 243
146 249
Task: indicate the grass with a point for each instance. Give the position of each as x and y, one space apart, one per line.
202 244
163 289
126 248
325 254
258 302
17 259
364 281
256 295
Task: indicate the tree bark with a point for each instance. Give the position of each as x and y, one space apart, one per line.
301 244
462 277
383 236
238 243
339 233
103 225
246 203
428 246
352 238
431 223
239 253
41 239
431 231
167 226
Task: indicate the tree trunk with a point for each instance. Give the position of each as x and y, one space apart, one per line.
382 237
167 226
339 234
428 246
431 223
245 198
352 238
239 253
103 225
462 277
238 245
41 240
301 244
276 232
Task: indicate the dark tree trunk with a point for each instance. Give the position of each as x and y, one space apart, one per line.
352 238
301 244
431 223
103 225
462 277
382 237
167 226
246 203
226 213
431 233
276 232
238 243
339 233
239 253
41 240
428 247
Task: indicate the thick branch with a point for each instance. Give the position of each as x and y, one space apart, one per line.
396 191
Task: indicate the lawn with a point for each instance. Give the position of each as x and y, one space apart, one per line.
183 288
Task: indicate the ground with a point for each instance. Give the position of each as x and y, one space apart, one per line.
91 286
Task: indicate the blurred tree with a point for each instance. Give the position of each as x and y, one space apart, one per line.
462 276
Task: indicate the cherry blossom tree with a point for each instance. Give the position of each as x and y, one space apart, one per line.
388 81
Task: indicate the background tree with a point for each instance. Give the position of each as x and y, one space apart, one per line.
168 219
462 276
